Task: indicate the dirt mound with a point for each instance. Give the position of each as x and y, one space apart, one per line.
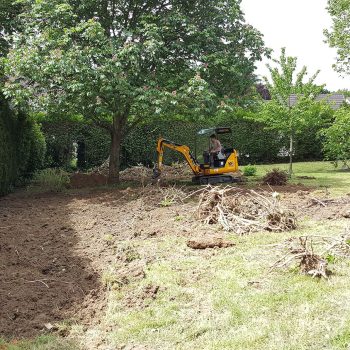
81 180
275 177
142 174
202 243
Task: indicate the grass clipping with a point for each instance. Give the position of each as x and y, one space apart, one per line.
244 213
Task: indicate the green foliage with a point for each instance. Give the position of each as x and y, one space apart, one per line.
49 180
9 11
22 147
337 138
255 143
117 65
249 170
338 36
292 108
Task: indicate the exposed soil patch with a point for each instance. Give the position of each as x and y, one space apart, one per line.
56 248
319 207
81 180
201 243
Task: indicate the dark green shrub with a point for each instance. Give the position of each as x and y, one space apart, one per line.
22 146
249 170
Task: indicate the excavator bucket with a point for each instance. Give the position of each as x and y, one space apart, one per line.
156 173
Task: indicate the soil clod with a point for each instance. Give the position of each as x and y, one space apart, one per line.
209 243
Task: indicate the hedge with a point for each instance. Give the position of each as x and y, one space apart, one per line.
255 144
22 146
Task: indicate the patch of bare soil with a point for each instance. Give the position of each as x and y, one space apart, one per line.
204 243
55 248
318 206
81 180
43 280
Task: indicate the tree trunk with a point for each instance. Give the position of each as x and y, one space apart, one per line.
290 171
114 154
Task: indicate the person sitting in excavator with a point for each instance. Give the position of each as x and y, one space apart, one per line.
215 149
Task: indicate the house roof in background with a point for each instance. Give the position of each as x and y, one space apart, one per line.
335 100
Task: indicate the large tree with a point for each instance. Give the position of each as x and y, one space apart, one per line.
338 36
292 107
113 61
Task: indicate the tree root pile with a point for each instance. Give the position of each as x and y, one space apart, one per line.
275 177
302 251
141 173
244 213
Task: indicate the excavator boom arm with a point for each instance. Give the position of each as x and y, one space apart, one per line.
183 149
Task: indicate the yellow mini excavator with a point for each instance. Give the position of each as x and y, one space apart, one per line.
219 169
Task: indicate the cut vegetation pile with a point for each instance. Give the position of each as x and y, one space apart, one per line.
140 173
302 250
244 213
275 177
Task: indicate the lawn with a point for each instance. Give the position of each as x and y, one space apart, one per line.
325 175
219 298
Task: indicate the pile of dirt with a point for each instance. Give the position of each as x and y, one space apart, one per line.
244 212
142 174
275 177
81 180
204 243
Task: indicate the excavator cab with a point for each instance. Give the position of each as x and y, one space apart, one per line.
220 170
219 160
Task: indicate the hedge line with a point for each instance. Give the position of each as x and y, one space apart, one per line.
255 144
22 146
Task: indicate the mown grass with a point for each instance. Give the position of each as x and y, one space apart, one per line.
226 299
336 180
43 342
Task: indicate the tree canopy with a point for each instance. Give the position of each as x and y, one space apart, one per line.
113 61
337 138
338 36
292 107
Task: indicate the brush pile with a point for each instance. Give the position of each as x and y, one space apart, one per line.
244 213
275 177
141 173
302 250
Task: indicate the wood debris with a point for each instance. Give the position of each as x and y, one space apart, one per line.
302 250
244 213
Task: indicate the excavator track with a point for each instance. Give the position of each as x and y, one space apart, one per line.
213 179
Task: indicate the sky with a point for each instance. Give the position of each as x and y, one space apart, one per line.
297 25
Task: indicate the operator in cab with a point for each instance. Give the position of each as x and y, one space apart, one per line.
215 148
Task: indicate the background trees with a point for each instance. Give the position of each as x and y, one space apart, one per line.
292 107
114 61
338 36
337 144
